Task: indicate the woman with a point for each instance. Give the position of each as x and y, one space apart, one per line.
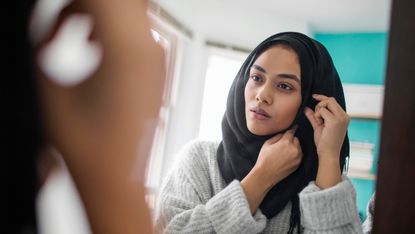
278 167
102 127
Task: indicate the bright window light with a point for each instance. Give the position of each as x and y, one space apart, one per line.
223 65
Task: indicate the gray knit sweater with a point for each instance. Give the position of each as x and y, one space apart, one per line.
370 212
195 199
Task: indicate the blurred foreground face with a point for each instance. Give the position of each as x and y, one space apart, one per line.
101 78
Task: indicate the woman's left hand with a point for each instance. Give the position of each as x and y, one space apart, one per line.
329 122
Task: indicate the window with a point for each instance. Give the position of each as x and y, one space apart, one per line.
223 65
169 41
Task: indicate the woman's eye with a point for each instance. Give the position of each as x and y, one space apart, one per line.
256 78
285 87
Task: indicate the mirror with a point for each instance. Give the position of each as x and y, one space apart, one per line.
214 37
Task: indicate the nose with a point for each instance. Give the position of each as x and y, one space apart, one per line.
264 95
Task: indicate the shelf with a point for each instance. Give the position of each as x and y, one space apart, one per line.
360 175
364 101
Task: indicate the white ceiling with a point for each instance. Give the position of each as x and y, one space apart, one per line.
320 15
333 15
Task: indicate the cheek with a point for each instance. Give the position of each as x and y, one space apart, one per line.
290 108
295 106
248 93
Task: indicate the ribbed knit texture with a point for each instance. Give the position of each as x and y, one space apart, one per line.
370 211
195 199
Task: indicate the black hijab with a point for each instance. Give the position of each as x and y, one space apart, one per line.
239 149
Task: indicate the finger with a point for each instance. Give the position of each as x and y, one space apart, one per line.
318 117
326 115
319 97
296 142
289 134
332 105
314 121
275 138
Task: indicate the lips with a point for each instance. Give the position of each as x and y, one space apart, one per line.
257 110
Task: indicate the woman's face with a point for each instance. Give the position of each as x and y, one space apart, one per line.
273 91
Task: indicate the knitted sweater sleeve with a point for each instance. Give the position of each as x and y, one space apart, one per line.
330 210
186 203
370 210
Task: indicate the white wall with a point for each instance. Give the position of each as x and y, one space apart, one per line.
225 22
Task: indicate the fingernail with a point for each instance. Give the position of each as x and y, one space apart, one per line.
314 95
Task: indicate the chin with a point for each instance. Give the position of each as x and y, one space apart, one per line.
259 131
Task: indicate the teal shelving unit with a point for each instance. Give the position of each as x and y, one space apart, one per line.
360 58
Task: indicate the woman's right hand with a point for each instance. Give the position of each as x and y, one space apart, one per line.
279 157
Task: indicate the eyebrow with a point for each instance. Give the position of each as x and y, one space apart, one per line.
281 75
